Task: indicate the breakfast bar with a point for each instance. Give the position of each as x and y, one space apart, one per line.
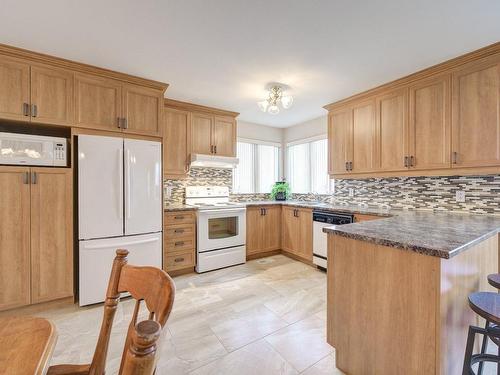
398 288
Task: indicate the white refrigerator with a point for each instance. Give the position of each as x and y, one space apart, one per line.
119 206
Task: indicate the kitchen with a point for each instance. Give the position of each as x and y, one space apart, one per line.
289 211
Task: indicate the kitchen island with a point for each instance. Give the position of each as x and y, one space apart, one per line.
398 288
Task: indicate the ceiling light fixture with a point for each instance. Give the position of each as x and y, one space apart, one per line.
276 96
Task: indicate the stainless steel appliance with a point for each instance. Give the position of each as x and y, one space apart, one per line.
221 228
323 219
27 149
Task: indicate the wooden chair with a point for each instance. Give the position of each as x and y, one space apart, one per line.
148 284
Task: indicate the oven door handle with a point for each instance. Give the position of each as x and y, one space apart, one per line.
224 210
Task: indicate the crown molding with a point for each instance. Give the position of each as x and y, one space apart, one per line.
445 67
37 57
177 104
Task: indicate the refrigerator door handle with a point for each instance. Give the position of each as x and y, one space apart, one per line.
121 244
120 178
128 203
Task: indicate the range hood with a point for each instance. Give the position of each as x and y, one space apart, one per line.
213 161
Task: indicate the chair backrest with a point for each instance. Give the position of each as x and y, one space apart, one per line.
157 290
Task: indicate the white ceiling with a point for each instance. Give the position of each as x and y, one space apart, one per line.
222 53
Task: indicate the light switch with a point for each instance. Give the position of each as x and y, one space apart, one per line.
460 196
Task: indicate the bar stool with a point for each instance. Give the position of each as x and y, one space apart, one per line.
487 306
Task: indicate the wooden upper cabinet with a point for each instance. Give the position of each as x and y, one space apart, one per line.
201 133
363 148
429 124
392 130
51 234
14 89
339 141
224 136
98 102
142 110
476 115
14 237
51 95
176 143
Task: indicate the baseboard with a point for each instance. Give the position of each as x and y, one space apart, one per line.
183 271
263 254
39 307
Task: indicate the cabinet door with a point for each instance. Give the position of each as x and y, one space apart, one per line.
392 128
253 231
476 115
201 133
98 102
224 136
14 237
289 237
429 128
14 89
339 141
363 137
141 110
176 143
305 228
51 96
51 234
271 228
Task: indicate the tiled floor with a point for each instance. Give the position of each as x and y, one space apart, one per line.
265 317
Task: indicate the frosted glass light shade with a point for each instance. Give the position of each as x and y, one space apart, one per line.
286 101
273 110
263 105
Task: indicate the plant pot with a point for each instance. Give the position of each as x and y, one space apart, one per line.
280 196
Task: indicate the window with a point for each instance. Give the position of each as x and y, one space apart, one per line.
258 168
308 167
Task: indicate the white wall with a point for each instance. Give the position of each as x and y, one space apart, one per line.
259 132
308 129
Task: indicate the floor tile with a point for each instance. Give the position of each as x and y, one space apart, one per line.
326 366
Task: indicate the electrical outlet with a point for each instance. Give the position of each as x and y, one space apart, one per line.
351 192
460 196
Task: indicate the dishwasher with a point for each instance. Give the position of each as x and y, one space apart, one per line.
323 219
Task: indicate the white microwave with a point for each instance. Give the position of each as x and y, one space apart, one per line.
26 149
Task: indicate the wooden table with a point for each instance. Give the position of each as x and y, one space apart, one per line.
26 345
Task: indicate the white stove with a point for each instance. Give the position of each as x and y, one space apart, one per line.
221 229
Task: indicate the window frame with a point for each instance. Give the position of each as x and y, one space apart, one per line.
255 172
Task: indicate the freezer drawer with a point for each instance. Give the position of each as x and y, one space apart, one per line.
96 258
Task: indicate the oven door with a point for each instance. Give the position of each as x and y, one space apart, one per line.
219 229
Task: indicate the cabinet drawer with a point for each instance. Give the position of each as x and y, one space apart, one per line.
177 231
180 217
179 260
179 244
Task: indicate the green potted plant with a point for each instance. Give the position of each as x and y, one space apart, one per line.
280 191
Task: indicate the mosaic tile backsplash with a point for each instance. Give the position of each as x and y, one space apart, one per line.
482 193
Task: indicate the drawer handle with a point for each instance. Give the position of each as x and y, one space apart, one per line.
178 217
180 243
177 260
178 230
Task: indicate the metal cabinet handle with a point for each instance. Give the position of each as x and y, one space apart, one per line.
350 165
33 178
125 123
412 161
265 211
179 243
347 166
119 122
178 230
215 149
177 260
455 157
178 217
26 109
26 178
34 110
406 161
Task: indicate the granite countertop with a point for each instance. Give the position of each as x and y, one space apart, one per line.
179 207
437 234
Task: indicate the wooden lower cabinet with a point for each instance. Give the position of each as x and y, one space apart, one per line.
179 241
263 229
36 252
51 235
14 238
297 232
